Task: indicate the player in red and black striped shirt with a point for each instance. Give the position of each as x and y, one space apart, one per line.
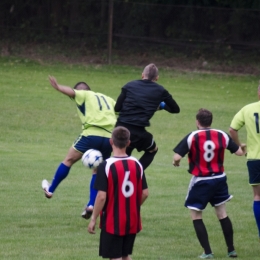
122 189
205 148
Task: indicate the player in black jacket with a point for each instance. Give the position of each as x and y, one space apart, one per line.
136 104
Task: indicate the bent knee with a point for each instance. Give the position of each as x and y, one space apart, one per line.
155 149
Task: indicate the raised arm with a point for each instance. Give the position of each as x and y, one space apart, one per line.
63 89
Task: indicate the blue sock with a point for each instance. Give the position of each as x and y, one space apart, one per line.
60 174
256 209
93 192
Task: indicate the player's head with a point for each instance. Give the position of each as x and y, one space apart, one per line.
150 72
120 137
82 86
204 117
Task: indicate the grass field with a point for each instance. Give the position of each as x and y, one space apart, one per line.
38 125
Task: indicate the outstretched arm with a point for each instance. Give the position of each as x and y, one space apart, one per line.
63 89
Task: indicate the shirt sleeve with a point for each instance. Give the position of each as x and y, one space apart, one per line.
80 96
232 146
238 120
182 147
101 179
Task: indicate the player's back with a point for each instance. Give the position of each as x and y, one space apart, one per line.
124 194
207 148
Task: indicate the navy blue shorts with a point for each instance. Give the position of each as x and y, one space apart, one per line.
254 172
84 143
204 190
113 246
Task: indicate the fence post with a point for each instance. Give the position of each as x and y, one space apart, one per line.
110 30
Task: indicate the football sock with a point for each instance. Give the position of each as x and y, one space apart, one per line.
93 192
256 209
227 229
202 235
60 174
147 158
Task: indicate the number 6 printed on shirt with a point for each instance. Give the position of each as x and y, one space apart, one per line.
127 186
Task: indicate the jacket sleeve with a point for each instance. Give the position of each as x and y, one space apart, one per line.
171 105
120 100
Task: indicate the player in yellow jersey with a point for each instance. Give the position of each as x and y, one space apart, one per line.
98 118
249 116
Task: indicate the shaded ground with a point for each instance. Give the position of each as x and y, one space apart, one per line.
242 62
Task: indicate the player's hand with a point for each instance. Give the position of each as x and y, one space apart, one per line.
243 147
91 226
176 164
53 82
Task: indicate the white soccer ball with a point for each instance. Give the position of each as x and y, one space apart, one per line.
92 158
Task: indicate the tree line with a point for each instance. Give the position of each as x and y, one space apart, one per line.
172 22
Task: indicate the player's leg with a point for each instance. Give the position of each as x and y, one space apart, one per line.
256 206
148 145
219 202
201 232
102 144
197 200
227 229
254 181
61 172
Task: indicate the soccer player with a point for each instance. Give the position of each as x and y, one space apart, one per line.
205 148
96 112
249 116
122 189
136 104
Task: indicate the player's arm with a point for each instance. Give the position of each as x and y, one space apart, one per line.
234 135
99 204
235 140
145 192
176 159
180 150
63 89
169 104
120 101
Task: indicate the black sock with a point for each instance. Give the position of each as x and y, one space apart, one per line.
202 235
147 158
227 229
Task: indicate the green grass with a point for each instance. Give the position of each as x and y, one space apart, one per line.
38 125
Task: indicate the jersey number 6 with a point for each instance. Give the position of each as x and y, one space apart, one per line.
127 186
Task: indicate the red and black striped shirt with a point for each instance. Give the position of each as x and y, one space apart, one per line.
123 180
206 150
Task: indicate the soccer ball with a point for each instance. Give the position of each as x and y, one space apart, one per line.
92 158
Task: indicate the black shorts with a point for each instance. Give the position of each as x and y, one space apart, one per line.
114 246
141 140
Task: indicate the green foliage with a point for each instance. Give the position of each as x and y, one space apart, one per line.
38 126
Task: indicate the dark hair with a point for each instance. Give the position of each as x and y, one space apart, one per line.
120 136
150 72
82 86
204 117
